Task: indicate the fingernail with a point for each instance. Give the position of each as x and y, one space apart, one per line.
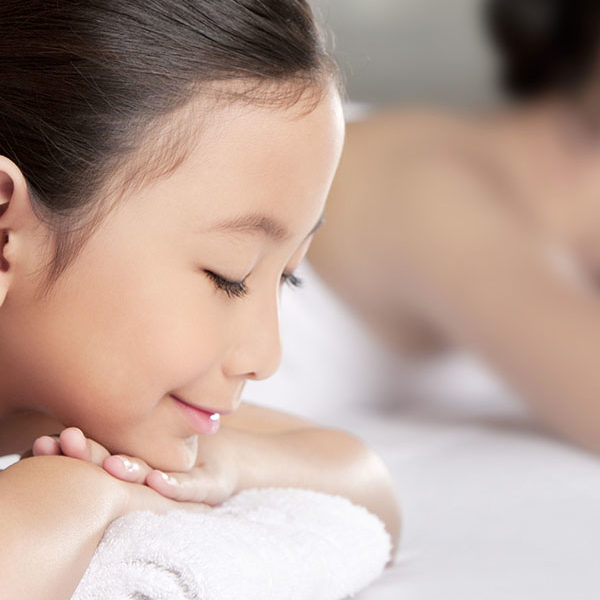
167 478
130 466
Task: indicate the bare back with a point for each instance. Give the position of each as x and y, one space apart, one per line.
376 150
447 231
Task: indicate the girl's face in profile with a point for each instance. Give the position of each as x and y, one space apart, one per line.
176 294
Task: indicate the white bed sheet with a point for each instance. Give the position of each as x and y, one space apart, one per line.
493 507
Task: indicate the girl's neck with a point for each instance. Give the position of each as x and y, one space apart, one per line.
19 430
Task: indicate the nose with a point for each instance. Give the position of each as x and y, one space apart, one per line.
256 351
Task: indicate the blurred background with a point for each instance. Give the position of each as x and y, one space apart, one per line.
479 479
412 51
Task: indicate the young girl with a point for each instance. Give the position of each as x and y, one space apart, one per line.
164 167
483 229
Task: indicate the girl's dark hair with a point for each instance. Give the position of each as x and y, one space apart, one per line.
90 88
545 45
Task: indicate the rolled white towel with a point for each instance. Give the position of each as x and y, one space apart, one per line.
262 544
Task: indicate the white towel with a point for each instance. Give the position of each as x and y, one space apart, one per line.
262 544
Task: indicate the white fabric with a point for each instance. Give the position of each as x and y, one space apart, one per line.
9 459
268 544
493 507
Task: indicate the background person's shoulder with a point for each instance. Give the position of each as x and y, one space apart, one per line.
390 135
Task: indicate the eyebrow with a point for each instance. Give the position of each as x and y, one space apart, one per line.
258 223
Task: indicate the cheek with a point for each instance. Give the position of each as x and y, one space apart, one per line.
123 328
114 356
158 321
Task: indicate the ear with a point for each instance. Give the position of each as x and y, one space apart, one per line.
16 216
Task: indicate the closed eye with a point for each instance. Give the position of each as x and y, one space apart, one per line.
233 289
292 280
239 289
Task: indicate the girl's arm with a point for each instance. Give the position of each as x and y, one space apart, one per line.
277 449
258 447
54 511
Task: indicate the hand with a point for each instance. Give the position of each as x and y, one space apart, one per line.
212 481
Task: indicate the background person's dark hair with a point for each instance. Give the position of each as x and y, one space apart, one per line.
544 45
88 87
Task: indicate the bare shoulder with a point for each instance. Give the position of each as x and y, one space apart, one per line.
443 205
412 201
419 167
395 149
441 212
408 181
410 129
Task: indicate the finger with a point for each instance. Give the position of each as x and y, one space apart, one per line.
142 497
73 443
192 486
46 445
126 468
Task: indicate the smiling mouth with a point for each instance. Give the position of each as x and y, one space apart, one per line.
202 421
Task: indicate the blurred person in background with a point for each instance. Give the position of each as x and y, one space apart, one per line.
483 230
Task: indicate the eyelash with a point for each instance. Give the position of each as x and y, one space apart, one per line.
233 289
238 289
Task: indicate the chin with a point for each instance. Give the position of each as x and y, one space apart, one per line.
174 455
166 453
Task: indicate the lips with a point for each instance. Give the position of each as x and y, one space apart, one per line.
201 420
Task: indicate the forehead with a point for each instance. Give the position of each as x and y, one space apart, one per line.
248 159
